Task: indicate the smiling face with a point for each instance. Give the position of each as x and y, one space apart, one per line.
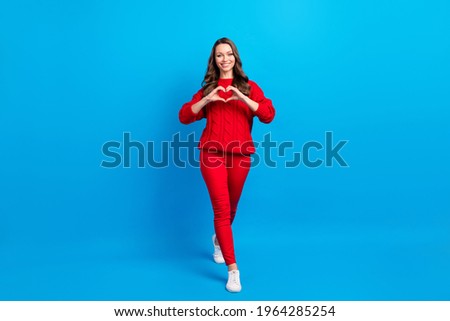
225 60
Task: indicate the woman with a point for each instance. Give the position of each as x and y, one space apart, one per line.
229 101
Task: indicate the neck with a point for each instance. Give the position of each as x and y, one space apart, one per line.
228 74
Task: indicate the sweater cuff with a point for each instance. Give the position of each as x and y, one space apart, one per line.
265 111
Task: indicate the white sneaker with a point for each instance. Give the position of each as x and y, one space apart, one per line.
218 257
234 283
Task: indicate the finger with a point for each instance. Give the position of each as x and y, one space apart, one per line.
218 88
219 98
234 89
214 91
232 98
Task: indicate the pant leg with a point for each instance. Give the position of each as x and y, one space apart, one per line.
214 172
238 167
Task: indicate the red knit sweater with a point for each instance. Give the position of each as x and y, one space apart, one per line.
228 125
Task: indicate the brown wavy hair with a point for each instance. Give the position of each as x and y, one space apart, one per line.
240 79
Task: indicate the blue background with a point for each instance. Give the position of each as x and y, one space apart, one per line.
74 75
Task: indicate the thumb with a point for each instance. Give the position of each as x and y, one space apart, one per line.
231 98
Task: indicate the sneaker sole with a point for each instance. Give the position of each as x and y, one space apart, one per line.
218 261
232 290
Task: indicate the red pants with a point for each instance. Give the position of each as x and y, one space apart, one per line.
224 175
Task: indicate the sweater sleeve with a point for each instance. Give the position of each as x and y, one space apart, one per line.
265 111
186 115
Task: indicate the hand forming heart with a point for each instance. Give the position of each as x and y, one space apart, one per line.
230 93
225 95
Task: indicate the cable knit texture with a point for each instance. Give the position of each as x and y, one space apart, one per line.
228 125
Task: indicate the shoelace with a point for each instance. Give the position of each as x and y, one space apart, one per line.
234 278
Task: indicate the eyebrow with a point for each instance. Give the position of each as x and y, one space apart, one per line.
231 51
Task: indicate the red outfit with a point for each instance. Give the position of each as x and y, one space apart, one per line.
225 145
228 125
224 175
